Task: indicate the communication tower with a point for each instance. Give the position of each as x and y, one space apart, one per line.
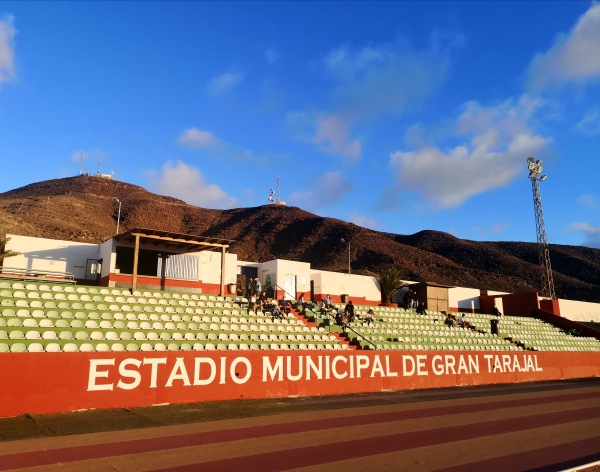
274 195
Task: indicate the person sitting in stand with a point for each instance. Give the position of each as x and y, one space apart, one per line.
421 309
252 303
349 311
449 321
301 299
369 317
321 307
262 300
462 322
339 317
277 313
496 312
285 307
327 302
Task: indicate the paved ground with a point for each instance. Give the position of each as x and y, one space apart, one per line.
548 426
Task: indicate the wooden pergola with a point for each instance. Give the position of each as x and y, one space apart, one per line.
181 243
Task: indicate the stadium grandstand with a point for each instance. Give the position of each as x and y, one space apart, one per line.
151 317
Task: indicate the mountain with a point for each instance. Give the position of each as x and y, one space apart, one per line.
84 209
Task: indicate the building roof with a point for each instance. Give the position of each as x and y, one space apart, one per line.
179 241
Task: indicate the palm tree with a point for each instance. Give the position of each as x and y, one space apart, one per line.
3 252
389 283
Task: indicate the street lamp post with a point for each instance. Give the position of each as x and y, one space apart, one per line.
119 215
342 240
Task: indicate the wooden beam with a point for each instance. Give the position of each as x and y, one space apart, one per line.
136 252
223 271
179 240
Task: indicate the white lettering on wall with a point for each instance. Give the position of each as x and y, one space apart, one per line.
132 374
94 374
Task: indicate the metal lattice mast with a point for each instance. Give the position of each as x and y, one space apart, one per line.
546 279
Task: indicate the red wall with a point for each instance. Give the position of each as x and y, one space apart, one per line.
55 382
517 304
157 282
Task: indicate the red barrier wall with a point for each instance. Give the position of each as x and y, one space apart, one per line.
56 382
160 284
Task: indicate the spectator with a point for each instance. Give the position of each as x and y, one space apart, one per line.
369 317
462 322
408 299
339 318
349 311
327 302
421 309
252 303
496 312
321 307
285 307
277 313
257 286
301 299
263 300
250 288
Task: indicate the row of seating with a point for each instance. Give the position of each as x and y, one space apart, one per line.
85 346
139 335
79 317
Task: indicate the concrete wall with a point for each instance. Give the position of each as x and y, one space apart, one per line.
106 253
360 288
463 299
579 311
49 382
276 274
43 254
209 267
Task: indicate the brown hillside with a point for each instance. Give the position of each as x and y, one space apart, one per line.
84 209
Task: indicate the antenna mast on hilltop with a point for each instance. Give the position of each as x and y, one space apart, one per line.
275 194
81 164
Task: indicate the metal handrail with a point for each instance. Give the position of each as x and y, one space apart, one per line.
32 275
328 316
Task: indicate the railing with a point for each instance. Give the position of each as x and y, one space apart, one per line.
326 316
36 275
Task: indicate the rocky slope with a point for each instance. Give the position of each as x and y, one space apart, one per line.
84 209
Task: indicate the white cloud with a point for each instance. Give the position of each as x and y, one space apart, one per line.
499 142
383 79
196 139
7 55
223 82
368 84
182 181
589 125
588 200
363 220
326 190
333 136
271 55
574 57
591 233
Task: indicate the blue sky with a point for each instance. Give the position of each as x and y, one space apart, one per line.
397 116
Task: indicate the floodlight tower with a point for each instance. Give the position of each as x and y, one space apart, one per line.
536 176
